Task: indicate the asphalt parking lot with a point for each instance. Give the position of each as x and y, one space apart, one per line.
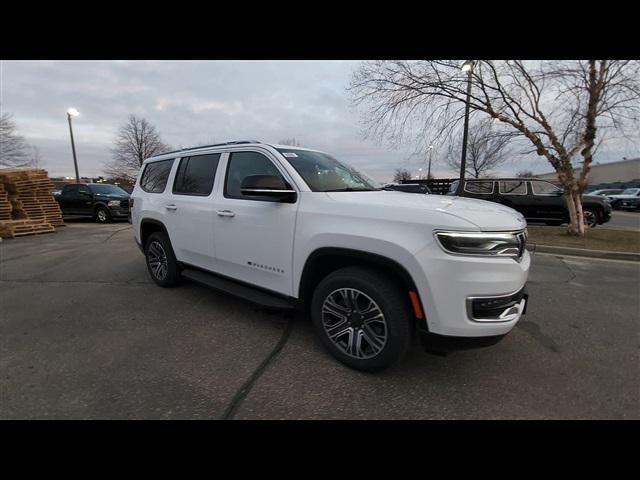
85 334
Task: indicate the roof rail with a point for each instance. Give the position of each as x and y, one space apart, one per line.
237 142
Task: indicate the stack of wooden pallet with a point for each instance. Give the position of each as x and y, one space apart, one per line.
27 206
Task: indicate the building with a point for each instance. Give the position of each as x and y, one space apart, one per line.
620 172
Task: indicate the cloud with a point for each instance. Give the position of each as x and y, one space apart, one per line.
192 102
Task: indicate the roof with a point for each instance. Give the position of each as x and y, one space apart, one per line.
216 146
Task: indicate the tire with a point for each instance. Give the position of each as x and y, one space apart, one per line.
380 342
166 272
591 217
103 215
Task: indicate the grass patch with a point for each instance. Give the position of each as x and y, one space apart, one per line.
594 239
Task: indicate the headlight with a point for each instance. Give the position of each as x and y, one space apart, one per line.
507 244
113 203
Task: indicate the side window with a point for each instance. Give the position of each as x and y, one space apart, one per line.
155 176
84 190
479 187
196 174
243 164
544 188
513 187
69 189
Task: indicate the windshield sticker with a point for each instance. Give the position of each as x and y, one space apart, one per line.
289 154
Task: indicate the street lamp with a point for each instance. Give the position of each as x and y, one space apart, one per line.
420 174
72 112
466 67
430 155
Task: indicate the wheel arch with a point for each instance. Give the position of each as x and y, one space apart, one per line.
323 261
149 226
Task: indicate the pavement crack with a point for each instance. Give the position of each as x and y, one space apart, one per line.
573 274
114 233
244 390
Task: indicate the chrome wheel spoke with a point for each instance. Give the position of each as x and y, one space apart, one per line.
354 323
157 260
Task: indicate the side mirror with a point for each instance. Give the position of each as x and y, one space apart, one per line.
269 188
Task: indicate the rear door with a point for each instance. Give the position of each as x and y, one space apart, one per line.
68 198
190 212
253 236
514 194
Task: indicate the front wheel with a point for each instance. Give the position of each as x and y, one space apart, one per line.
102 215
590 217
362 318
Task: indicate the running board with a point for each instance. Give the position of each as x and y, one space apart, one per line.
253 295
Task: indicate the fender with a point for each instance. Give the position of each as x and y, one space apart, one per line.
314 267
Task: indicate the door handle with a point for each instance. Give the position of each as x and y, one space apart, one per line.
171 207
225 213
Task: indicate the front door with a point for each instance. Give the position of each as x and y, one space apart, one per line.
253 237
547 201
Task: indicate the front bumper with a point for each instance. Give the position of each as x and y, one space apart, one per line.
119 212
449 286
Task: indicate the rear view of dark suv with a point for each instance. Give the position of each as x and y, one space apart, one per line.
537 200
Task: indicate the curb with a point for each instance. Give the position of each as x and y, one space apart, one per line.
583 252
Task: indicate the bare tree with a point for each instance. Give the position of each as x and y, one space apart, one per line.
401 174
524 174
560 108
290 141
14 151
486 150
136 141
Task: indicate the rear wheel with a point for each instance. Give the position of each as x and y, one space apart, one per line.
161 261
362 318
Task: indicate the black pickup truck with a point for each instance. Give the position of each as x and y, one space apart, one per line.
100 201
537 200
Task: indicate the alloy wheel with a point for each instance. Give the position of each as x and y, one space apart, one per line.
590 218
157 260
354 323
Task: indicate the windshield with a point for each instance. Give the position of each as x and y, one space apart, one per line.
631 191
324 173
106 189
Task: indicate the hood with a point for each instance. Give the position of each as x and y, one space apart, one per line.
481 214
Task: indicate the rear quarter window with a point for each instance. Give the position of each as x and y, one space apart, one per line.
155 176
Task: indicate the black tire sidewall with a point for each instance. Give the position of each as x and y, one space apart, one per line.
390 300
173 271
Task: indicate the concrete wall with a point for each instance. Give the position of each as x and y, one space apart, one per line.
621 171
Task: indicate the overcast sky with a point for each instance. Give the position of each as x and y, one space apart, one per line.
193 102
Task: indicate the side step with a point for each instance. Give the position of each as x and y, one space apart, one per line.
264 299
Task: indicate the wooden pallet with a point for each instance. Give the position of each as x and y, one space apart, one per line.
25 195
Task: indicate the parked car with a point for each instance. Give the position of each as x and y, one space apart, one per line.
289 227
605 192
408 187
629 195
101 201
630 204
537 200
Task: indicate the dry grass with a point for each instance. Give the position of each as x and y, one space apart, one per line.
595 239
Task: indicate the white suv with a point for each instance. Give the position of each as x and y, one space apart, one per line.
290 227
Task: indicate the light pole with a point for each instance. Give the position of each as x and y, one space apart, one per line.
466 67
72 112
430 155
420 174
